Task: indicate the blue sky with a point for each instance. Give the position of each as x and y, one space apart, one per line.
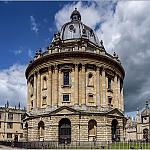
28 26
17 38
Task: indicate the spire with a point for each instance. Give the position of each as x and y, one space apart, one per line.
7 104
19 105
75 16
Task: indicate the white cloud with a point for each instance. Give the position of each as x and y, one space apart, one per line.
13 85
124 28
34 25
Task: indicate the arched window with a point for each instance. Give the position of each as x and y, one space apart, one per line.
66 77
41 130
115 130
92 130
145 134
44 101
26 131
44 82
109 83
90 79
32 104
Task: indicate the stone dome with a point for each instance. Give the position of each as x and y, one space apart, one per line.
75 29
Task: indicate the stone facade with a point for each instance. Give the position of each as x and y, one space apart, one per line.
76 81
138 129
11 123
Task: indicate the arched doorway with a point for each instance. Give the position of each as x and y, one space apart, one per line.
145 134
92 130
115 132
64 131
41 130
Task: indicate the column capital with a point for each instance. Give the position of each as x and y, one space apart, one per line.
56 66
103 68
49 67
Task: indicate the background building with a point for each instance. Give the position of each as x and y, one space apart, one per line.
11 123
75 89
138 129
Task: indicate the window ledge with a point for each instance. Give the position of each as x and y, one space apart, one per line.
110 90
90 85
65 101
91 102
65 86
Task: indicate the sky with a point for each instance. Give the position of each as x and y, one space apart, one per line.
29 26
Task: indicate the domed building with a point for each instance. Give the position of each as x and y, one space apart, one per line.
75 89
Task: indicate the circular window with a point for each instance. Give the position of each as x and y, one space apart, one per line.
84 31
71 27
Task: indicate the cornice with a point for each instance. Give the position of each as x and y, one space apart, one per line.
73 55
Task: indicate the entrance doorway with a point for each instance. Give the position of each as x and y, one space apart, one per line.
115 130
145 135
64 131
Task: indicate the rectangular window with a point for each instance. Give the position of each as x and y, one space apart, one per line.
10 116
9 125
0 115
21 135
9 135
66 78
121 85
90 99
0 124
110 101
66 98
109 83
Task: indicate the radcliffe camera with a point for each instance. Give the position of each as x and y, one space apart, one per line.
72 75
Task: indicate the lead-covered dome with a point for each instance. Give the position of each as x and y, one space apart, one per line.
75 29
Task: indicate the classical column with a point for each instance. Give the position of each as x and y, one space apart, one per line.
49 95
119 95
38 90
115 92
35 90
76 84
97 87
104 100
122 100
83 84
55 86
28 95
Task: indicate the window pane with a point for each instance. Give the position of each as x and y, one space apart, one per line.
66 78
65 97
10 116
109 83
